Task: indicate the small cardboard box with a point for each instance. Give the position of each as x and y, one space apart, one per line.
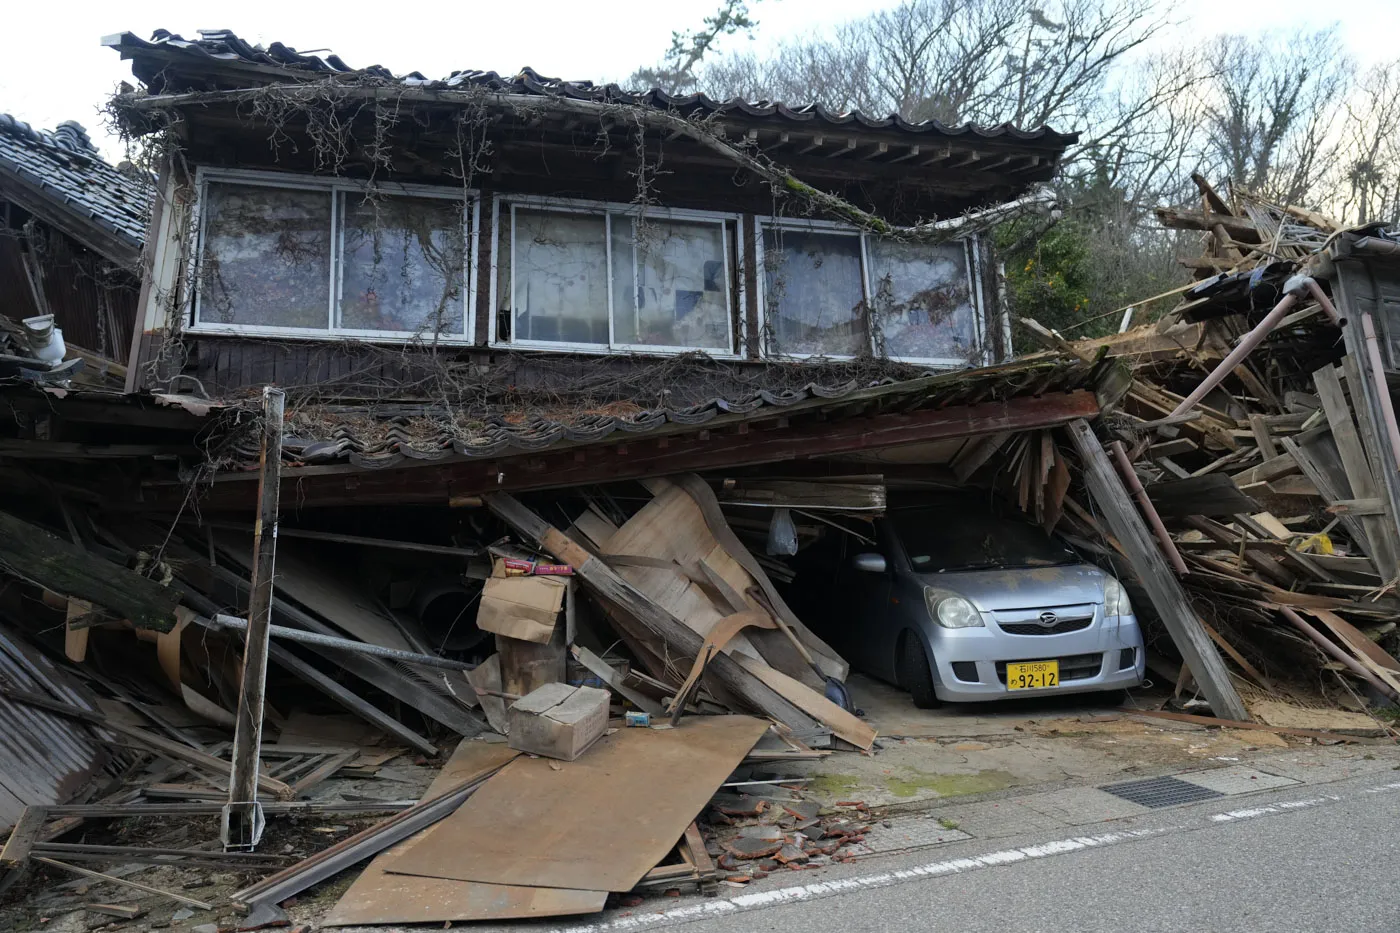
558 721
521 607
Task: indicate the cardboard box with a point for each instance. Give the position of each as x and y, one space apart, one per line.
526 608
558 721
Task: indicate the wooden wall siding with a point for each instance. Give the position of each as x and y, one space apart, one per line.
93 316
231 366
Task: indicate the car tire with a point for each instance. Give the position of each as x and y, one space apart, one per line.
916 672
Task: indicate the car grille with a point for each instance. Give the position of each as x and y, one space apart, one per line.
1035 628
1073 667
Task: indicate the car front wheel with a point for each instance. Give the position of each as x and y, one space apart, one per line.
916 671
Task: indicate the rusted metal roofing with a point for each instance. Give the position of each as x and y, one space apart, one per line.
62 166
44 758
216 47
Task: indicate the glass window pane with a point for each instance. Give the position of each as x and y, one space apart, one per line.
923 300
266 256
813 294
673 291
561 277
402 264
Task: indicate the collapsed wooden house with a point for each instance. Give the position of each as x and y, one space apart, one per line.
565 352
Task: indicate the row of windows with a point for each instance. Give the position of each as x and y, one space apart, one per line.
299 257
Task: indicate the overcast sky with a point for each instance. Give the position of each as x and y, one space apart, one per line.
52 67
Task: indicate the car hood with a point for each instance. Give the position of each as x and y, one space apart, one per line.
1023 587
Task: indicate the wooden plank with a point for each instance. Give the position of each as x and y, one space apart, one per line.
1319 463
666 775
1282 465
646 620
1294 485
57 565
609 676
1262 438
23 836
1379 533
844 725
1239 659
1162 586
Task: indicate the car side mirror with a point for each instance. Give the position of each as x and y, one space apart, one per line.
870 563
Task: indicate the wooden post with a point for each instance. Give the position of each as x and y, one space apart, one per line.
242 818
1162 586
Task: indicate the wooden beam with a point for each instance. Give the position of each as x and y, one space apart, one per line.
242 823
34 554
1162 586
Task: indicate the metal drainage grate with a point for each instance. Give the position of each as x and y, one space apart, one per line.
1161 792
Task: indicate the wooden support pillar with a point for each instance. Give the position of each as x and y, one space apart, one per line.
1162 586
242 818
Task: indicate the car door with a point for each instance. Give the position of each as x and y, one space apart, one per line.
866 605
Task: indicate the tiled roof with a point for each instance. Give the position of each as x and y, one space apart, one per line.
379 436
63 166
216 46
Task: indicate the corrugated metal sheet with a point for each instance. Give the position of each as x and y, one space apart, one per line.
44 758
216 46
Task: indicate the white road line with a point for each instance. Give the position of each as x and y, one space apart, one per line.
759 900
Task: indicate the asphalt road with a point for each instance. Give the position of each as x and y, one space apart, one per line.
1312 858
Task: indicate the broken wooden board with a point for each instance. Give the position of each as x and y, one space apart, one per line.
377 896
843 725
34 554
596 824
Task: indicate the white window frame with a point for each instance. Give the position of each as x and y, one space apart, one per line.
334 187
733 283
970 252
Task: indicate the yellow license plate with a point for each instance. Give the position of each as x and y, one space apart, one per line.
1029 675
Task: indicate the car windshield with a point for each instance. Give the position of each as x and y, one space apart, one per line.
956 537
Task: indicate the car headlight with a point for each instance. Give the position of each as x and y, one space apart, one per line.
950 610
1115 599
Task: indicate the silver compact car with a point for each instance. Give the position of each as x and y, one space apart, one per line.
954 602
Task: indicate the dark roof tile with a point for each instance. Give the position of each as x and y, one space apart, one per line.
65 166
221 45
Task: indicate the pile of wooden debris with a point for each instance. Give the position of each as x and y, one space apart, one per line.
1261 427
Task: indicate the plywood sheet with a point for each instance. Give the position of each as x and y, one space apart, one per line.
599 823
379 897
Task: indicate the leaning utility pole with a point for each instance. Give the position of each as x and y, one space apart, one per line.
242 823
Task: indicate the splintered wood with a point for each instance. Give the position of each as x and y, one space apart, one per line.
1278 487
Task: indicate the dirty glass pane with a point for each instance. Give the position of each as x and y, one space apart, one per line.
266 256
923 300
671 291
813 293
561 277
402 262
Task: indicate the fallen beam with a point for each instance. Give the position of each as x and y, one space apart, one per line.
1151 568
34 554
